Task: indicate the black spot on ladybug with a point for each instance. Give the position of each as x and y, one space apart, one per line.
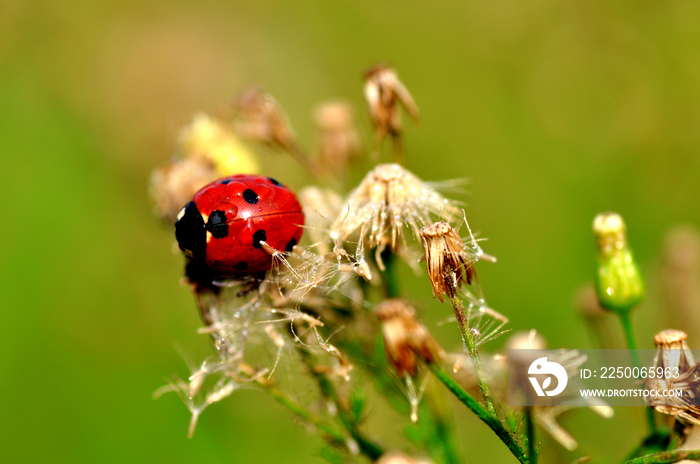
242 266
217 224
259 236
290 245
250 197
191 232
274 181
225 181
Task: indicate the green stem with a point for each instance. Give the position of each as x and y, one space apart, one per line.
331 434
634 353
531 437
629 337
389 281
493 422
666 457
443 425
469 340
367 447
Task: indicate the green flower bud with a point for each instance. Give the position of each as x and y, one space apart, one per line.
618 281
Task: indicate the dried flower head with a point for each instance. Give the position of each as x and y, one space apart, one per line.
446 259
405 338
389 198
263 119
384 91
206 151
339 141
396 457
208 138
174 184
672 350
675 360
618 280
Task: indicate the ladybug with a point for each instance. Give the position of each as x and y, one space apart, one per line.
223 225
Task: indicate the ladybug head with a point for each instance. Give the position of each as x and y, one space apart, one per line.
190 231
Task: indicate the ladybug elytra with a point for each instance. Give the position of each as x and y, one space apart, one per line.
226 220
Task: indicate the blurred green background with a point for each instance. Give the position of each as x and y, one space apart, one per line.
555 111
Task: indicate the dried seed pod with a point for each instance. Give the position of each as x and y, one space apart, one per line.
446 259
339 141
263 119
672 350
405 338
384 91
674 361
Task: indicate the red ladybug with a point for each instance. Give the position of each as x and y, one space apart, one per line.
225 222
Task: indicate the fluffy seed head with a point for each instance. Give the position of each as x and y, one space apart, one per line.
446 259
405 338
388 198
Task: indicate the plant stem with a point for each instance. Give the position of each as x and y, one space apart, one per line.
331 434
443 424
632 345
531 437
389 280
493 422
666 457
629 337
367 447
468 339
